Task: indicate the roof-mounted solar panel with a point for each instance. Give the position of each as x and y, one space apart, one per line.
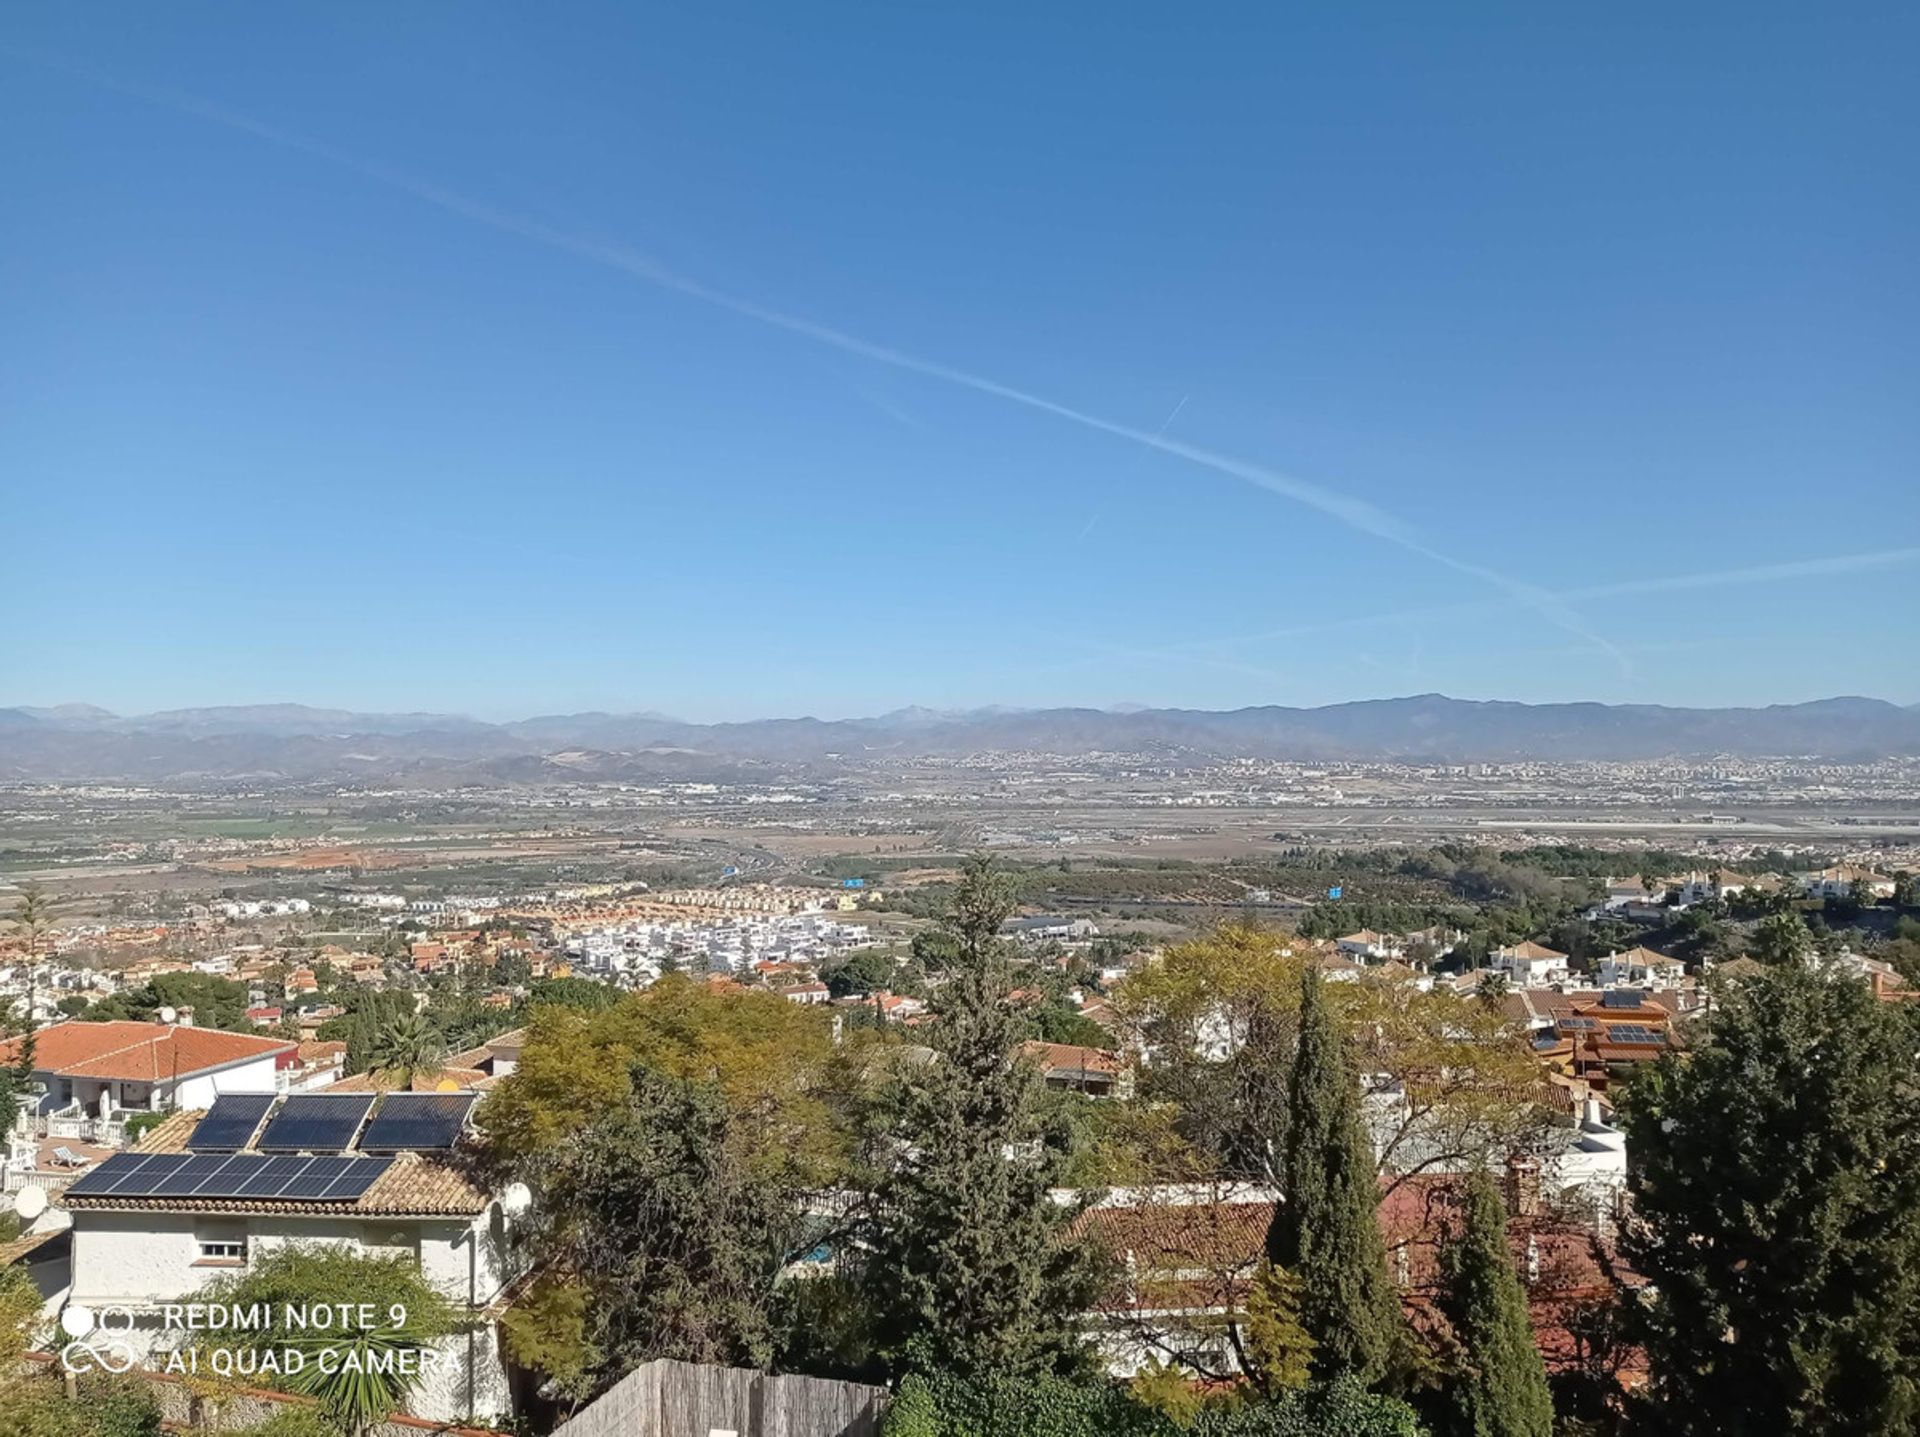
313 1181
268 1177
159 1168
316 1123
244 1177
418 1122
184 1178
109 1175
354 1182
230 1123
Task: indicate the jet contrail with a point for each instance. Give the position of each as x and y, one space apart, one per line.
1660 584
1356 514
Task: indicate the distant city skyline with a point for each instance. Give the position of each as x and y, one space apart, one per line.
748 365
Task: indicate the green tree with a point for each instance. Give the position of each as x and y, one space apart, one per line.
1782 938
674 1229
511 970
581 993
1499 1386
1776 1186
216 1002
972 1262
1278 1349
408 1047
374 1369
31 915
369 1011
860 973
1326 1228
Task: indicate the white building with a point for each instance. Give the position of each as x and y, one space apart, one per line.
1640 968
144 1252
1366 946
95 1076
1530 965
1050 927
1837 882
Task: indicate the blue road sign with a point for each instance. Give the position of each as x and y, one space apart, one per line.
1333 892
728 872
853 883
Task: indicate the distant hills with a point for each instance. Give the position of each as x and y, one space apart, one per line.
290 742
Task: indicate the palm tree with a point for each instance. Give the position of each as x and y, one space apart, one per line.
406 1048
358 1374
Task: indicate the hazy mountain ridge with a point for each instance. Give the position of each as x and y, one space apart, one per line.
292 741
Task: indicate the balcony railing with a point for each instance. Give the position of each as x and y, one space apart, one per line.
76 1125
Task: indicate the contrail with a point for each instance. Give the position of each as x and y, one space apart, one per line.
1356 514
1665 583
1167 423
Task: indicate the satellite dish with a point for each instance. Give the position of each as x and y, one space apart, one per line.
29 1203
167 1015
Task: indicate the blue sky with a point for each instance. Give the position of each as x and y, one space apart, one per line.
737 360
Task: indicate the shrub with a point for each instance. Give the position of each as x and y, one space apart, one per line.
942 1405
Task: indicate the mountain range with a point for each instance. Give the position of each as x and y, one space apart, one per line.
294 743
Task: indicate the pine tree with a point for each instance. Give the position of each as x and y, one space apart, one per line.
1776 1187
1277 1350
972 1265
1326 1227
1500 1388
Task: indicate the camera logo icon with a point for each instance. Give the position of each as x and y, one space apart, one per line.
100 1339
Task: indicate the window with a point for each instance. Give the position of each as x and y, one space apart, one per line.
389 1241
224 1243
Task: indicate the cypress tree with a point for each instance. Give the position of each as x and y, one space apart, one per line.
1776 1187
972 1267
1326 1227
1500 1389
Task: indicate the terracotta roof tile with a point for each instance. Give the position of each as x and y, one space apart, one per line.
139 1052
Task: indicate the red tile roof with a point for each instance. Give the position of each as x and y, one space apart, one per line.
139 1052
1070 1057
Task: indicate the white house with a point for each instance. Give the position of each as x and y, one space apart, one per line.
1639 968
1624 891
1590 1166
1838 881
1367 946
97 1075
1050 927
1530 965
140 1252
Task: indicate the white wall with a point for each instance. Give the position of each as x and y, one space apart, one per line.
144 1259
253 1076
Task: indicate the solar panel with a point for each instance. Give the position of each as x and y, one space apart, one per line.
226 1176
230 1122
1636 1033
157 1170
109 1175
1620 998
417 1122
268 1176
318 1175
357 1179
1583 1025
316 1123
184 1178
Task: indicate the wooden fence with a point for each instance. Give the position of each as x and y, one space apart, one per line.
688 1399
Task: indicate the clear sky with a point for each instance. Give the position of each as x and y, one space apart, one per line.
735 360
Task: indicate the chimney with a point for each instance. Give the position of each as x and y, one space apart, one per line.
1522 1186
185 1018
